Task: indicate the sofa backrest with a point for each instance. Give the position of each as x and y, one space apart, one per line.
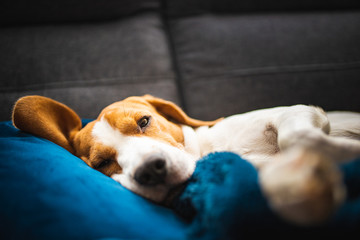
213 57
43 11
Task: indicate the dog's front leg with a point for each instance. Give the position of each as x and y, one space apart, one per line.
302 186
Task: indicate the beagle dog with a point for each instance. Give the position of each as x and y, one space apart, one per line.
151 146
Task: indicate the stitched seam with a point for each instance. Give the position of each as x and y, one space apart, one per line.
87 83
172 52
278 70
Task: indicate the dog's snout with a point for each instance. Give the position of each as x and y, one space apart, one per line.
152 172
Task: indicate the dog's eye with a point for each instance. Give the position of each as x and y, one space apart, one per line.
103 163
144 122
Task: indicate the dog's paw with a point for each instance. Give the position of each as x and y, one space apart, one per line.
303 186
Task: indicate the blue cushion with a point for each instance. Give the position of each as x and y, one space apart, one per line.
47 193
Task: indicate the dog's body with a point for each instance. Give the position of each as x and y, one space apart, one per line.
150 146
258 136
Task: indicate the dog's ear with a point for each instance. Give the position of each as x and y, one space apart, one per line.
172 111
46 118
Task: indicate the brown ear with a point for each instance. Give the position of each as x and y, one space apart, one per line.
47 118
172 111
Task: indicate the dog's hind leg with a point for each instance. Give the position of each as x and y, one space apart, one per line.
335 135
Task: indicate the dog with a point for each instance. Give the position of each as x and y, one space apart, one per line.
150 146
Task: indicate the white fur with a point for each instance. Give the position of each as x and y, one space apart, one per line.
133 151
191 142
276 140
255 135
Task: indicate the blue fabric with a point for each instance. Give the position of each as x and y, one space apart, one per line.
47 193
223 201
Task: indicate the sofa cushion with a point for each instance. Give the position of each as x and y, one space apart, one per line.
86 65
237 63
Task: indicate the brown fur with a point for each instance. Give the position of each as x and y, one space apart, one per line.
58 123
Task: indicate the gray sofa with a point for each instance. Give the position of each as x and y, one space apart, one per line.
214 58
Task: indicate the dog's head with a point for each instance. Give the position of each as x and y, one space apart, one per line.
139 141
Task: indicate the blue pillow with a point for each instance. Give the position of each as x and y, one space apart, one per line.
47 193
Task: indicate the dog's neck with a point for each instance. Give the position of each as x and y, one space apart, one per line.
196 141
191 142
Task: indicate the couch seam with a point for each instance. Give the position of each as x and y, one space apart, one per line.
172 52
85 83
278 70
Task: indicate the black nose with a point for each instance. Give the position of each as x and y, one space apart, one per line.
152 172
